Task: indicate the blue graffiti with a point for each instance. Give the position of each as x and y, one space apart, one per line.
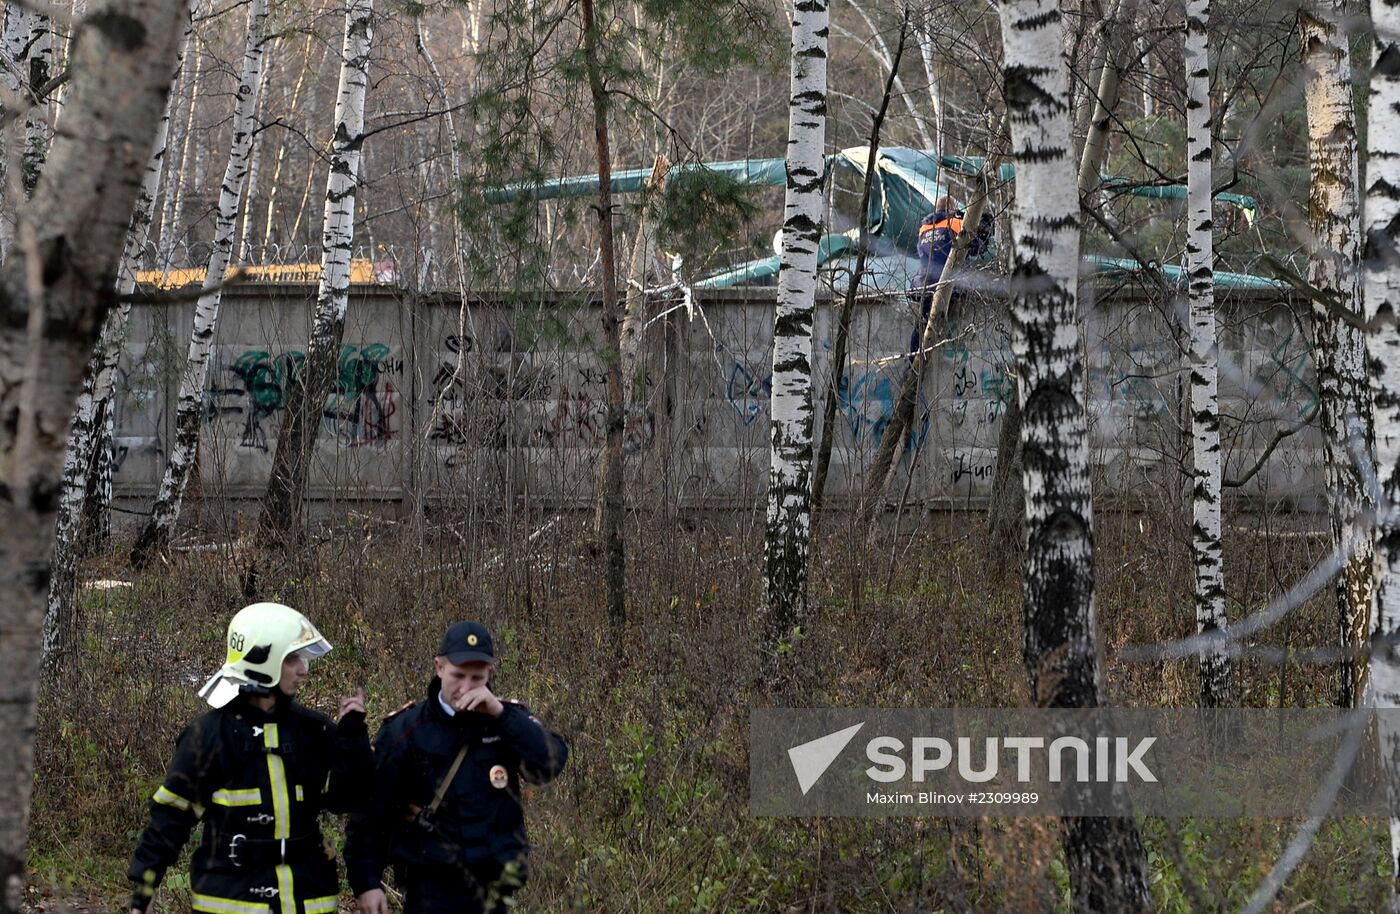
868 404
747 393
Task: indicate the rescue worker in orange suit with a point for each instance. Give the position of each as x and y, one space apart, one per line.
256 771
937 234
450 770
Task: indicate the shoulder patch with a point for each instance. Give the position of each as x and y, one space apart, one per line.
406 705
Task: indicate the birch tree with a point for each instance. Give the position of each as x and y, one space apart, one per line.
190 408
73 226
788 533
301 419
1004 506
1206 551
89 434
27 48
27 45
1107 865
173 206
1339 348
12 39
38 67
1381 260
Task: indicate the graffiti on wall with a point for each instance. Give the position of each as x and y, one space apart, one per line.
358 411
980 385
748 391
520 398
1285 371
866 399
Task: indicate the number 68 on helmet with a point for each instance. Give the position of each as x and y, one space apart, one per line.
260 637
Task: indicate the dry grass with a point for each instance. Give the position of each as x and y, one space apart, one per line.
652 814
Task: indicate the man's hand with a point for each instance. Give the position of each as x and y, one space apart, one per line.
479 699
350 703
373 902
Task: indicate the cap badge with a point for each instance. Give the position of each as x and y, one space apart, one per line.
471 639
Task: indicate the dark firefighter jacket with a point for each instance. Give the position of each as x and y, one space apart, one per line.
936 236
256 782
481 820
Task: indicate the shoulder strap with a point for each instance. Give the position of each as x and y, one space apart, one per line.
446 781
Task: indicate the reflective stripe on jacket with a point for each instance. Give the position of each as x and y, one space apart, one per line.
257 782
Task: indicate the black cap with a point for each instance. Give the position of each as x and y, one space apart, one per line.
466 642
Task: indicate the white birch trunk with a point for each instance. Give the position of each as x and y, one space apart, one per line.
927 53
49 321
1107 864
173 213
639 266
12 41
1206 550
250 193
880 50
1382 304
1340 349
38 67
1105 101
788 536
76 12
89 436
268 224
190 409
301 421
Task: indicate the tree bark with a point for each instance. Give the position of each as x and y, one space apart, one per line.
172 212
610 477
27 46
787 539
1340 349
1107 865
1381 263
89 437
250 191
49 320
37 65
306 396
189 413
1206 550
1004 505
640 263
292 105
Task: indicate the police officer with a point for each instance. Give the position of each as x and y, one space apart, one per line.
256 771
449 770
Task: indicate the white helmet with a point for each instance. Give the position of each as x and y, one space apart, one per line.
260 638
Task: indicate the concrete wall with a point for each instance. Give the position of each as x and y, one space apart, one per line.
525 414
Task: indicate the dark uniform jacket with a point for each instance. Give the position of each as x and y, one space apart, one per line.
257 782
936 236
480 822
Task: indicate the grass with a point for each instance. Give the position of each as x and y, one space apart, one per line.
651 815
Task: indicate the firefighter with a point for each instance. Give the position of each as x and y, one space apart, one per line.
937 234
449 769
256 771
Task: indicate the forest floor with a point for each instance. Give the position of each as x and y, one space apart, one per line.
652 813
